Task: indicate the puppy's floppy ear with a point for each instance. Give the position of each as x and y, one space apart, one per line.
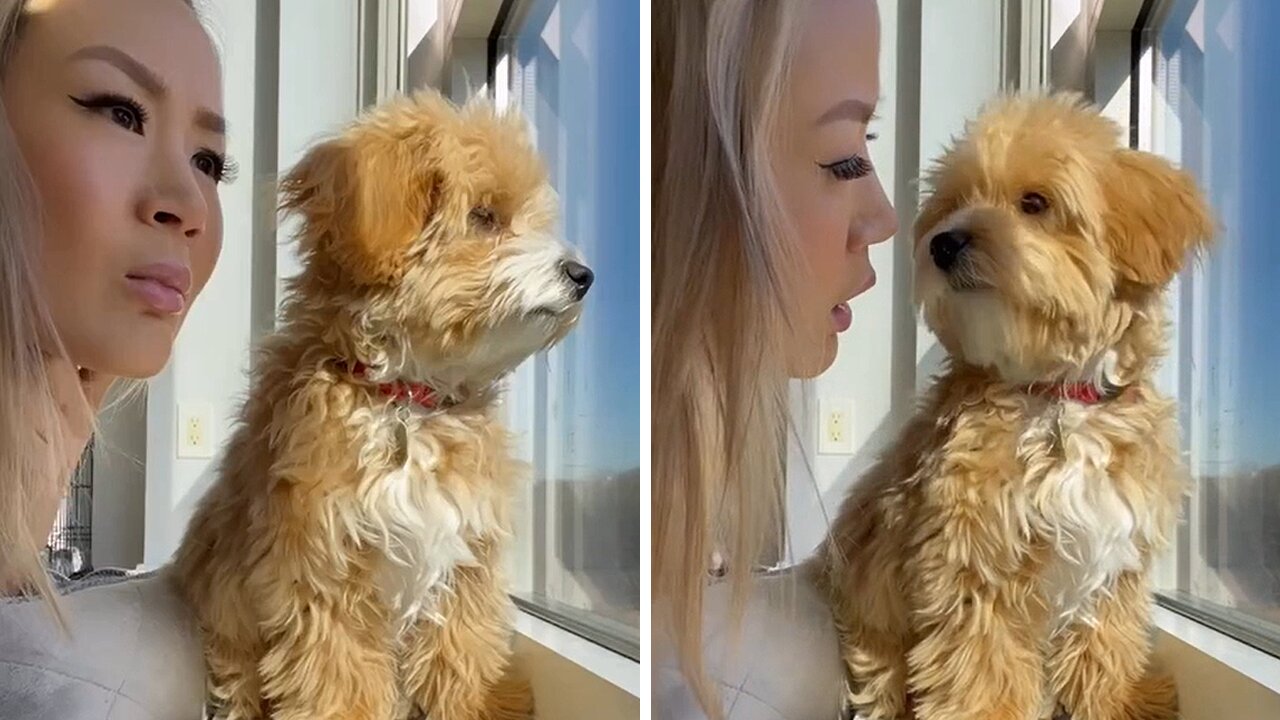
1155 215
363 204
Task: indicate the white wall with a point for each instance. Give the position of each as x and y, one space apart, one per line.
119 483
940 60
312 45
319 47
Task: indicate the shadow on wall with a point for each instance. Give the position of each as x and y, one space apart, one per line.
425 65
1071 59
597 540
1241 539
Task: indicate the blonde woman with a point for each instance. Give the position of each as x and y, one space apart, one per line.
111 153
765 205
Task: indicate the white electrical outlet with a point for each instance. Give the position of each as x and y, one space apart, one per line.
835 426
195 430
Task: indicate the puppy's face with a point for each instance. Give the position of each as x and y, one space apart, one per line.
1041 237
433 228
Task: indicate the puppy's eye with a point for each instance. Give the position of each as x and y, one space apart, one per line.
484 218
1034 203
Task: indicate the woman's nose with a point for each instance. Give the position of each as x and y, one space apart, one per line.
175 202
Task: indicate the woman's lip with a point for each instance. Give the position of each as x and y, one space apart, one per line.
842 314
867 283
158 297
841 317
175 276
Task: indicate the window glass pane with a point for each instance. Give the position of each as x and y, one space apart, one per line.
1216 96
574 70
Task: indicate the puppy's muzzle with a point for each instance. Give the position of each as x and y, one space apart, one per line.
580 276
947 247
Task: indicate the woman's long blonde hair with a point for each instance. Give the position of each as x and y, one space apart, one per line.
723 274
34 421
32 429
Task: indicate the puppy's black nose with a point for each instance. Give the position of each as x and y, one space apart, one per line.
946 248
581 277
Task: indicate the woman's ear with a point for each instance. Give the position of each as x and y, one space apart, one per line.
363 204
1155 215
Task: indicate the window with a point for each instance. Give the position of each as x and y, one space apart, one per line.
1213 94
572 67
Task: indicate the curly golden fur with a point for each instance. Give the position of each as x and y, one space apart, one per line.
346 562
994 564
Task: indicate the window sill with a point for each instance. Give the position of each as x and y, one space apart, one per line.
621 672
1217 675
1236 656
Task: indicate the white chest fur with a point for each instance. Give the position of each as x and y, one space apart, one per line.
420 520
1078 507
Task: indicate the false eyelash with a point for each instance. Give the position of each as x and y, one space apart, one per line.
106 101
230 169
850 168
226 169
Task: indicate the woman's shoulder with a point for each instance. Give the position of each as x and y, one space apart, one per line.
133 652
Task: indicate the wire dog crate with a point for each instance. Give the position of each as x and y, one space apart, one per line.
68 549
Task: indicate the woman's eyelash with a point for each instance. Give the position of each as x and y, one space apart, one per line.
230 170
849 168
125 111
872 137
224 169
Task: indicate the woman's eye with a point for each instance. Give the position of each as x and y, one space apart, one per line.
850 168
122 111
219 167
126 118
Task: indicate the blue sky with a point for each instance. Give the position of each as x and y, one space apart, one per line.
1221 58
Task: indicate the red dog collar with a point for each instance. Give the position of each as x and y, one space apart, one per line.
418 393
1087 393
1081 392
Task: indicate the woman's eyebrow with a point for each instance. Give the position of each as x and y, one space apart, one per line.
853 109
148 80
211 121
141 74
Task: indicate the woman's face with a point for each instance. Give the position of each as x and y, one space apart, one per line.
831 193
117 109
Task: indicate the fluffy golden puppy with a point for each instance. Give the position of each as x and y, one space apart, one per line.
346 562
994 564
